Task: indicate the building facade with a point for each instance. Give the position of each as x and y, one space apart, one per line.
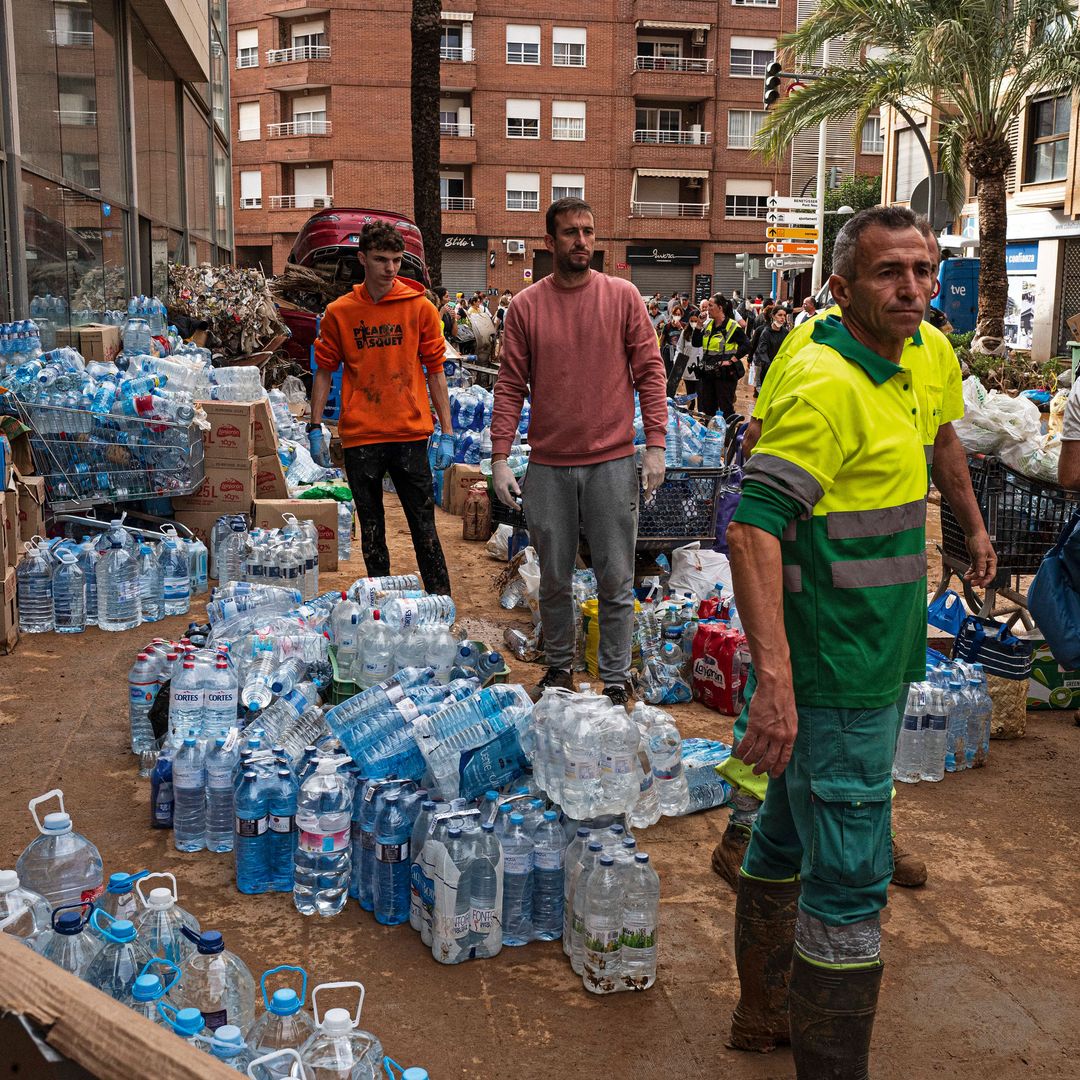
115 147
1043 192
644 108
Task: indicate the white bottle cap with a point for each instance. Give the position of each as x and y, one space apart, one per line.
337 1022
9 880
57 823
160 899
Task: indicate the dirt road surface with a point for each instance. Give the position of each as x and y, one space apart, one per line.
982 965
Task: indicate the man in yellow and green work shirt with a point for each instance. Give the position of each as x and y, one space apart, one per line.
931 358
829 563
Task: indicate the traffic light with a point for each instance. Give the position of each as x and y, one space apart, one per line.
833 181
755 268
742 262
772 83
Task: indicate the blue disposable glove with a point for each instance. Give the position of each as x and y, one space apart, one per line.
320 452
444 451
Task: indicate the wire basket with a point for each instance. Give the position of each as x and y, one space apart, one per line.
683 507
87 458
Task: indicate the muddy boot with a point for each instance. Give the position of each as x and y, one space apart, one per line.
832 1017
764 937
909 870
728 855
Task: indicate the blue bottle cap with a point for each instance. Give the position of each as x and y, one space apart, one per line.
68 922
284 1002
188 1022
517 819
147 988
487 827
210 941
550 815
595 845
123 930
491 796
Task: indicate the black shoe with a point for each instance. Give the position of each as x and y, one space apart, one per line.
554 676
618 694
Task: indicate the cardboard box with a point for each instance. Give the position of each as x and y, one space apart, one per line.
226 488
459 478
8 543
31 496
200 522
99 342
267 515
265 429
270 478
232 431
1050 686
9 613
1073 323
10 520
17 434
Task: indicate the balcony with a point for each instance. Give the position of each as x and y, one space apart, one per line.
687 64
455 202
299 127
301 202
685 137
248 60
669 209
453 54
297 53
457 131
77 117
254 203
72 38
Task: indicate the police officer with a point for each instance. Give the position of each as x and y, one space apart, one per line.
720 368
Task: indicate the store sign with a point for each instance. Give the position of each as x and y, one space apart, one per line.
464 242
702 287
1021 258
663 255
1042 224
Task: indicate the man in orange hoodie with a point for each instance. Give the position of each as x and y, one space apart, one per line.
389 339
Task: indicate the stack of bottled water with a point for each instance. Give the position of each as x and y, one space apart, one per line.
287 557
687 442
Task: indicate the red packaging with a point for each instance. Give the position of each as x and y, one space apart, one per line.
715 645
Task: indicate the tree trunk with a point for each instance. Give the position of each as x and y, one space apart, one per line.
426 30
988 162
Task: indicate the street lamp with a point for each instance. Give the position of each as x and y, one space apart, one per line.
842 210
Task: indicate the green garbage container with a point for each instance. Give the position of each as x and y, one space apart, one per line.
1075 347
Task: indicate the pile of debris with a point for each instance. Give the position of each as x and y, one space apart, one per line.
298 287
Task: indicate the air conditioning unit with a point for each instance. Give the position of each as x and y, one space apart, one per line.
321 203
515 247
694 183
698 37
696 134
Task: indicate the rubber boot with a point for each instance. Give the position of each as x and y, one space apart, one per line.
764 938
727 856
832 1017
909 871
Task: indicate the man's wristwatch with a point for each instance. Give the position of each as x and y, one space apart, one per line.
312 426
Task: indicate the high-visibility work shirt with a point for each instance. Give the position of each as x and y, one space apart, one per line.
717 340
842 446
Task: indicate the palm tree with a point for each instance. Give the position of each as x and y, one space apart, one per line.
426 31
973 62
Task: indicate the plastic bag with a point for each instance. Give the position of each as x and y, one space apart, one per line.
498 546
530 574
696 571
977 436
993 421
1057 412
1037 460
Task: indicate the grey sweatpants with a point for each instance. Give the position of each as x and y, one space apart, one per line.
604 499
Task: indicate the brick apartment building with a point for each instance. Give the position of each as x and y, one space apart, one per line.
646 108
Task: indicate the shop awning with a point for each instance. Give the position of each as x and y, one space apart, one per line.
653 24
692 174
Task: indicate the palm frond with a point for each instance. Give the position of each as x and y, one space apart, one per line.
950 162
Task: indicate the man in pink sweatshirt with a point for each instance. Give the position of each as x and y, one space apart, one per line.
580 344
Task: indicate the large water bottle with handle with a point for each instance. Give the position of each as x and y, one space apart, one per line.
118 962
339 1047
413 1072
159 923
216 982
34 581
60 864
120 899
23 913
286 1024
150 988
67 944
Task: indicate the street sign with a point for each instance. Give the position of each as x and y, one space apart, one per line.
779 247
783 232
527 273
780 217
782 202
788 262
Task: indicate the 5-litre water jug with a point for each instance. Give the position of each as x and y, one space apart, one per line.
61 864
23 913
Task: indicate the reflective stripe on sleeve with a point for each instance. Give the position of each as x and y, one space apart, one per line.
857 524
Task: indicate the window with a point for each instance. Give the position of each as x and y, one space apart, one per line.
568 46
873 139
522 44
74 25
660 50
751 56
309 35
522 119
455 43
657 125
451 190
309 115
567 186
747 198
742 126
568 120
310 188
250 190
247 48
754 3
455 117
522 191
1047 153
910 164
249 123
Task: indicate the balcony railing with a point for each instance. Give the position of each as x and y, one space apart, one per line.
300 202
669 209
685 137
77 117
457 131
253 203
454 54
454 202
299 127
247 134
247 60
298 52
68 38
686 64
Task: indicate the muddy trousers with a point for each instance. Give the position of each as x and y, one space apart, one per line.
407 465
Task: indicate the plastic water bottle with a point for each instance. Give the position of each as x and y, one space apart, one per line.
286 1024
518 854
339 1046
88 556
220 697
935 736
323 858
907 765
572 863
60 864
151 585
148 989
161 791
160 923
957 730
257 694
289 675
69 596
34 581
393 832
216 982
672 440
176 573
283 805
619 784
582 751
142 690
221 759
345 524
118 589
24 914
603 927
233 552
67 944
441 653
590 861
486 879
401 613
665 755
984 710
189 794
250 841
640 923
548 878
187 1023
228 1046
118 962
198 566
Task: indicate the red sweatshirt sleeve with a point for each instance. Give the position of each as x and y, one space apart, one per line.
432 342
512 384
328 351
647 369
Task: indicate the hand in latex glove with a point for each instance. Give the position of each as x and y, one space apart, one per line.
320 452
506 485
652 470
444 451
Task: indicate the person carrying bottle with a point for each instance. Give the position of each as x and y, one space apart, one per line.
828 562
720 368
581 343
388 337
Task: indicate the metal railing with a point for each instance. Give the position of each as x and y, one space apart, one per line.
247 134
455 54
298 52
300 202
299 127
249 61
683 137
453 202
77 117
65 38
253 203
669 209
457 131
682 64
